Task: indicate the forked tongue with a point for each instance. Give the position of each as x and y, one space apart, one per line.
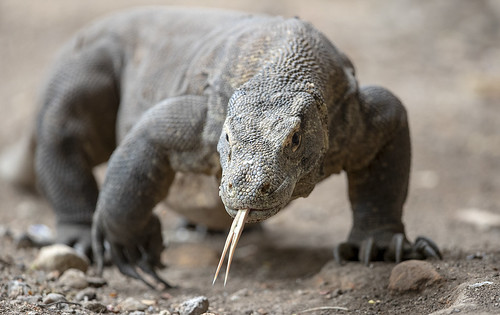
231 241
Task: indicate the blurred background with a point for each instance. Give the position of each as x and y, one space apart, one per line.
442 58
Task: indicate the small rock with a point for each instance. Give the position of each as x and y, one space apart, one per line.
131 304
165 295
413 275
149 302
95 307
136 313
73 278
86 294
96 282
194 306
53 298
16 288
477 255
60 257
165 312
40 234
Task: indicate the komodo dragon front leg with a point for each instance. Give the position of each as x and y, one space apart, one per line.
138 177
378 189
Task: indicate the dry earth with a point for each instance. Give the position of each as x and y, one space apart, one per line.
440 57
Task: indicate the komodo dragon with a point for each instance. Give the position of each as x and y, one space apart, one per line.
266 105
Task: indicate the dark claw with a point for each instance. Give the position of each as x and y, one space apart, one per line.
127 265
427 247
148 269
368 251
397 244
337 255
126 268
98 248
121 262
148 263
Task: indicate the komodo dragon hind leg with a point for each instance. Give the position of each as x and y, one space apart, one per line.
377 191
76 132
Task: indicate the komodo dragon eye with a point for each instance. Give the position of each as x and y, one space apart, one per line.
296 139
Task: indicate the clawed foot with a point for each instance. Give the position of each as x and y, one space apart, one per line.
398 250
133 258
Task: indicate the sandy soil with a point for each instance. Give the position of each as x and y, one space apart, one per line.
439 57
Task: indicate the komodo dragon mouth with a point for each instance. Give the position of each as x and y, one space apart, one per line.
256 215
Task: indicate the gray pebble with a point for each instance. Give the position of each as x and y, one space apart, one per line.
73 278
86 294
130 304
95 307
40 234
53 298
16 288
194 306
136 313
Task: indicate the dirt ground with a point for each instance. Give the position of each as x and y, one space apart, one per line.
440 57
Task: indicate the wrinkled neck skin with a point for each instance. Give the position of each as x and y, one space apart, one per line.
276 134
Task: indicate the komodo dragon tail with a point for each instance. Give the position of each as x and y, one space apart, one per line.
17 163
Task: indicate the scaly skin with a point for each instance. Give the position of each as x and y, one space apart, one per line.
267 105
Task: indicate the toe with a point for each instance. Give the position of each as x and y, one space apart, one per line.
368 251
395 251
427 247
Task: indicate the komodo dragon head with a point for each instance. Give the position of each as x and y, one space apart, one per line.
271 149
